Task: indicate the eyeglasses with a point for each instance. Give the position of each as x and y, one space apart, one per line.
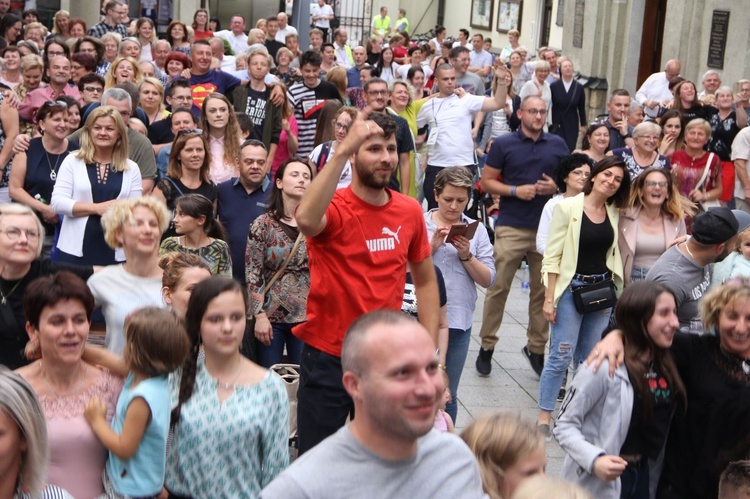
535 112
654 183
648 137
340 126
377 92
92 90
579 173
190 131
55 53
14 233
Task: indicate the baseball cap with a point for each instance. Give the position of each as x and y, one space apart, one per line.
719 225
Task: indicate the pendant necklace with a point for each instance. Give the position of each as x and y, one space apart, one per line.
4 296
52 170
228 385
744 364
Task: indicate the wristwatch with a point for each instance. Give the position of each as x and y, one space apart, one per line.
471 257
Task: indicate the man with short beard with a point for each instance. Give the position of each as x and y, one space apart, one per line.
359 240
376 96
686 268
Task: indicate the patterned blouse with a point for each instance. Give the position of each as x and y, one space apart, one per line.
232 448
635 169
215 254
268 246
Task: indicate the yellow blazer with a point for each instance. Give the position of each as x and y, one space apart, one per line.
561 254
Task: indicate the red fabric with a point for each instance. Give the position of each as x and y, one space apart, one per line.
727 181
203 35
400 51
358 266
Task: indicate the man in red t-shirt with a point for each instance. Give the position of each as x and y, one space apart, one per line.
359 240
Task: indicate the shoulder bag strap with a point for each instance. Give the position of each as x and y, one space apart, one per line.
278 273
707 169
174 184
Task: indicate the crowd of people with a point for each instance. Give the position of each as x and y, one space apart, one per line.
181 215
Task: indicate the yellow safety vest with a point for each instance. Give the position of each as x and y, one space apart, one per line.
402 22
382 24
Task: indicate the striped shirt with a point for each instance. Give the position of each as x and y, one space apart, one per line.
307 103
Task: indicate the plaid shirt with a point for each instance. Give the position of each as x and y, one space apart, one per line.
98 30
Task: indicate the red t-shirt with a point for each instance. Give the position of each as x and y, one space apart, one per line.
358 264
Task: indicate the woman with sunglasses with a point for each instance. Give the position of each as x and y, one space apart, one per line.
34 171
189 172
89 183
581 251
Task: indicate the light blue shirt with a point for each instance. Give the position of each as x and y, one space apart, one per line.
142 474
459 286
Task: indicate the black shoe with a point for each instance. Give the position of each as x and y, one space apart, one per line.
536 361
561 395
484 362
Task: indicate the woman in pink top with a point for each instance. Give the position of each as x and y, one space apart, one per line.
224 135
58 310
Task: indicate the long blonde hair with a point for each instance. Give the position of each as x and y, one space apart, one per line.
55 26
120 152
232 132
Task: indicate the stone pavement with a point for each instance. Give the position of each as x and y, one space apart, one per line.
512 385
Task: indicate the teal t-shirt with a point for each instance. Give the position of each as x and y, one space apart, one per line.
142 474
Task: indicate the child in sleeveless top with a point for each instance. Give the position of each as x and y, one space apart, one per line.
156 344
443 421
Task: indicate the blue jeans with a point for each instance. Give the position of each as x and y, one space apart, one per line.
638 274
274 353
634 481
455 358
572 337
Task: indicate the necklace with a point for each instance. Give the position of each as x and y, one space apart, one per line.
4 296
688 250
743 362
69 392
52 170
228 385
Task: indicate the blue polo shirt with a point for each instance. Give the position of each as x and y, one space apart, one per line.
237 210
352 77
522 161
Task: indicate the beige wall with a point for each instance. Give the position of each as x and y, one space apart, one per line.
687 36
458 15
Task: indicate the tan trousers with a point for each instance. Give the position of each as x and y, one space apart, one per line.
511 244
